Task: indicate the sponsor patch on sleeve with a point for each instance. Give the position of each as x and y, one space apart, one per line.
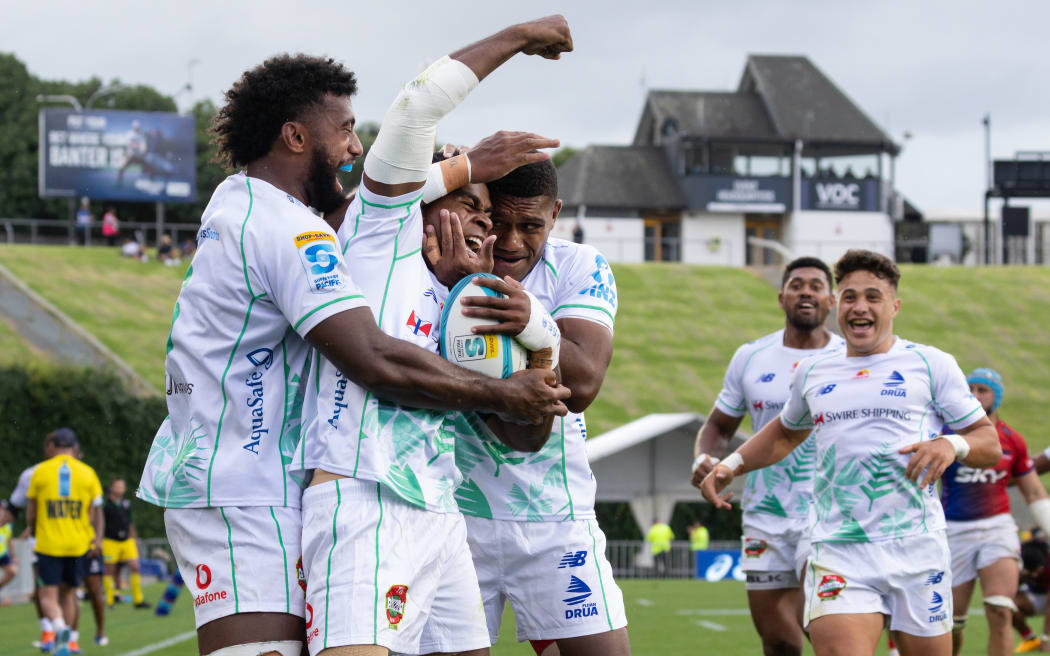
320 255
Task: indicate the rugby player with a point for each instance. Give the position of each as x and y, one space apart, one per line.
878 543
384 544
19 501
531 525
267 280
1031 597
8 560
776 500
982 534
64 514
118 546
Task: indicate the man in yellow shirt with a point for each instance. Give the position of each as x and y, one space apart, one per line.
8 563
699 537
660 536
64 513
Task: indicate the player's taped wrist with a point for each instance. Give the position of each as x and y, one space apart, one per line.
733 461
541 331
445 176
405 144
1046 452
1041 511
959 443
700 459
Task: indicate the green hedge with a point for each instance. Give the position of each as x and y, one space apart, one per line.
115 428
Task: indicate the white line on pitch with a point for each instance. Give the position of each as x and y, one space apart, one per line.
644 602
712 611
714 626
157 646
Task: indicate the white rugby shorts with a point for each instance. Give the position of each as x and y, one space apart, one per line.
238 559
773 561
1037 599
978 543
555 575
380 571
906 578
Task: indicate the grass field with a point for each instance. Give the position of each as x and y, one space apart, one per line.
676 330
669 618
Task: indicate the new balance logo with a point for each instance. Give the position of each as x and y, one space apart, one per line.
766 378
571 559
827 389
935 578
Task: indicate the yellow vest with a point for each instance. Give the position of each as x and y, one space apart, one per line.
64 489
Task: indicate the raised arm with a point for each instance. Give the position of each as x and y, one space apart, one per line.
401 372
766 447
398 161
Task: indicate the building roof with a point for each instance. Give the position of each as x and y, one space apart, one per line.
623 177
803 103
779 97
712 113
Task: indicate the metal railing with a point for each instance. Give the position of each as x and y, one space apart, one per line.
633 559
63 231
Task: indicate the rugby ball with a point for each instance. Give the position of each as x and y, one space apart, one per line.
498 356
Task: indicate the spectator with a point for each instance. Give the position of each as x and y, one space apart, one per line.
699 538
132 248
8 562
110 226
166 253
84 221
659 537
577 233
118 545
188 247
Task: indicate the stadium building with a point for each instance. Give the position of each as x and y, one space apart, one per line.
722 177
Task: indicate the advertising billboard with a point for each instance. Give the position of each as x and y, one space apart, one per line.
843 195
118 155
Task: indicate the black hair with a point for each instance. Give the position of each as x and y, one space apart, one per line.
877 264
529 181
805 263
281 89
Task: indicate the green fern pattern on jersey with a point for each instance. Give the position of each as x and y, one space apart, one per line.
879 466
850 531
832 487
403 481
531 504
798 467
771 504
472 500
894 526
293 416
176 462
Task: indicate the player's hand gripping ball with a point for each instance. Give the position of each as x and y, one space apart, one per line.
498 356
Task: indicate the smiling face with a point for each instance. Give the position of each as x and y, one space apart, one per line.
521 226
332 144
472 205
806 298
867 306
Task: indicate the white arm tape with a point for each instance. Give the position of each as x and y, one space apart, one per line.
733 460
1041 511
703 457
1046 452
962 447
403 149
541 331
434 188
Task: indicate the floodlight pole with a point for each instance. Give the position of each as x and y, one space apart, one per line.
988 187
104 91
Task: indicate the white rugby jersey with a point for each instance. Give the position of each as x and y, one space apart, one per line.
863 410
573 281
265 273
354 433
757 382
20 495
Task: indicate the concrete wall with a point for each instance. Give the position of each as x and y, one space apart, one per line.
828 235
620 239
713 238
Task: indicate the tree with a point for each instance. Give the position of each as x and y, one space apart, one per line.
563 154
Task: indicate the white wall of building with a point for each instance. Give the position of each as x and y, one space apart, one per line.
828 235
620 239
713 238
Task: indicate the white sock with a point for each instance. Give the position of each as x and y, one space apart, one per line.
45 625
59 624
74 636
